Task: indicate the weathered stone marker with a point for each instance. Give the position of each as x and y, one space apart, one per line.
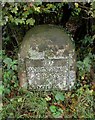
47 59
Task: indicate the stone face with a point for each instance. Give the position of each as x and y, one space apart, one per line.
47 59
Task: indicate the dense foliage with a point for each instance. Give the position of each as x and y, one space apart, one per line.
17 19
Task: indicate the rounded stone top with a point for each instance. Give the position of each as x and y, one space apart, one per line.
46 37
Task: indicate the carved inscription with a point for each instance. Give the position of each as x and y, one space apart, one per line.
46 74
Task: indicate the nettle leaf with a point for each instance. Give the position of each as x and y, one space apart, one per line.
87 63
30 21
79 63
59 96
53 108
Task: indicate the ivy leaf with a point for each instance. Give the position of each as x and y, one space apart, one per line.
76 5
59 96
17 21
93 5
14 10
25 14
30 21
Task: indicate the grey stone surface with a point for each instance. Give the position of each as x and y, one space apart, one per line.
47 59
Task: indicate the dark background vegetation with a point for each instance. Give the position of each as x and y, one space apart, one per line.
79 20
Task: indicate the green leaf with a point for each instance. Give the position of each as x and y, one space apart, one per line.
53 108
30 21
21 21
60 110
1 89
7 91
25 14
86 61
14 62
93 5
19 99
7 61
57 114
14 67
59 96
15 85
48 98
14 10
14 77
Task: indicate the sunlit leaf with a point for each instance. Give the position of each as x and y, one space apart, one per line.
59 96
76 5
30 21
53 108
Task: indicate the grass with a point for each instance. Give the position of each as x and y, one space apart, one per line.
78 104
